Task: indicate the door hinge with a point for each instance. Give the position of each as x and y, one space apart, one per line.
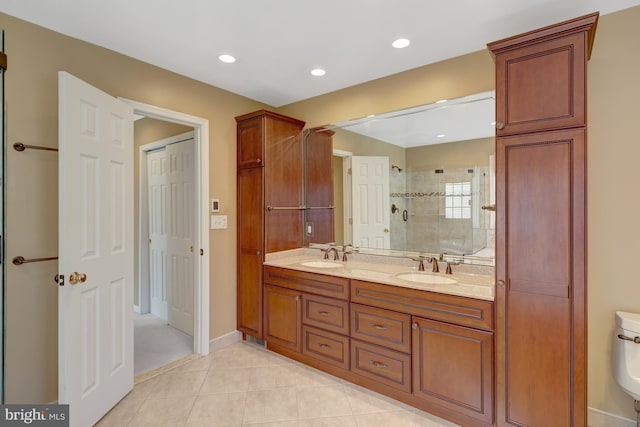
201 251
350 221
59 279
349 172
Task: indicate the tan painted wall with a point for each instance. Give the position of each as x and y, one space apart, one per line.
614 204
614 150
474 152
35 56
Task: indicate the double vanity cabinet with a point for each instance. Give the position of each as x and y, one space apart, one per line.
428 349
517 360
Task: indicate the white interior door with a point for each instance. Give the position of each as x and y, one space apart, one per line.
370 195
181 236
157 170
95 316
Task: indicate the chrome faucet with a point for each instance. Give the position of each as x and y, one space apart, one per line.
449 264
331 249
434 262
420 260
346 252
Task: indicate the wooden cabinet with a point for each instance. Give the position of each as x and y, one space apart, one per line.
541 370
453 367
270 195
282 320
307 316
320 203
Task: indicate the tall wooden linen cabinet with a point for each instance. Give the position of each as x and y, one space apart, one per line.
541 323
270 185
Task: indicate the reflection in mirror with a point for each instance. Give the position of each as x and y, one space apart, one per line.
415 180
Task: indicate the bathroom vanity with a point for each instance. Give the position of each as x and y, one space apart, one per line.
426 341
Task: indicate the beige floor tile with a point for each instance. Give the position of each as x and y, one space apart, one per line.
163 412
270 406
399 418
202 363
309 377
229 380
218 410
324 401
276 424
269 377
176 384
348 421
365 401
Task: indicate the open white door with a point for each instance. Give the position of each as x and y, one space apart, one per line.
181 235
157 169
370 193
95 311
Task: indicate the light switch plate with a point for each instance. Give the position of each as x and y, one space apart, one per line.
218 222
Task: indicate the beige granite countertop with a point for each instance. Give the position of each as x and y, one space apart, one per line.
471 281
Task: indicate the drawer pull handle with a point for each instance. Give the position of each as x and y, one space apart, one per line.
378 327
323 313
325 346
379 364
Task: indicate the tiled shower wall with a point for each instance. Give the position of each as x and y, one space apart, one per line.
421 192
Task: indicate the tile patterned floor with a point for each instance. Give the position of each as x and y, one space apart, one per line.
244 384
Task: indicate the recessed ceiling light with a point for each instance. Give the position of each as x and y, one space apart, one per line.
227 59
401 43
441 135
318 72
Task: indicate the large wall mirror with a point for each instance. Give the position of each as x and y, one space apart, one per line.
417 180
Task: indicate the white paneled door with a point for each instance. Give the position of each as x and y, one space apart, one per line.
181 235
171 183
157 171
95 316
370 197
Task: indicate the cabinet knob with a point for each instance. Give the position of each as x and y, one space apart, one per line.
258 253
297 298
414 325
501 283
258 161
499 125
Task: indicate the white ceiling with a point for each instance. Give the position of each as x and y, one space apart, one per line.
278 42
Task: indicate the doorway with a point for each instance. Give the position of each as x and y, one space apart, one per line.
200 135
164 320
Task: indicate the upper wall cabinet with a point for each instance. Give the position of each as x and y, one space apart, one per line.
541 82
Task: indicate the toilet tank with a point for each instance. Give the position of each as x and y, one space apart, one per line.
627 353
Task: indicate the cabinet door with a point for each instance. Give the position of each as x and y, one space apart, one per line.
542 86
284 187
250 252
320 204
453 367
283 317
540 267
250 142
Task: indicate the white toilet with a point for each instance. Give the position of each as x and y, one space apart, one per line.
627 353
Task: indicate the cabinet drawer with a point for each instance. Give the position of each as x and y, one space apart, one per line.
383 365
319 284
433 305
326 313
325 346
382 327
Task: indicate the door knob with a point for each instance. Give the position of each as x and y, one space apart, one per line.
386 230
501 283
75 278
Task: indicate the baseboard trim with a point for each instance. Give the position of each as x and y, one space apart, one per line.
225 341
598 418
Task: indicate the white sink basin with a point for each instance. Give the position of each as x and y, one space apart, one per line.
426 278
322 264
